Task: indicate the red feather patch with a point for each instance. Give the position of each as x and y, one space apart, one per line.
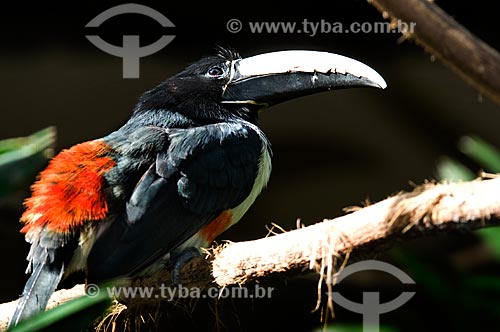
216 226
69 192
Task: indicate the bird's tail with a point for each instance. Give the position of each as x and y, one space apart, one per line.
39 287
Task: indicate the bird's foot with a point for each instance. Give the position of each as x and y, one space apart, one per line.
179 259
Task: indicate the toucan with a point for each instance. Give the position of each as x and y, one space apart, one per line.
186 166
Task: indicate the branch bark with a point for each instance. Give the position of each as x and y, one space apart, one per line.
428 209
439 34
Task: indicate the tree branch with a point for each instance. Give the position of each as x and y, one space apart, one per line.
427 209
439 34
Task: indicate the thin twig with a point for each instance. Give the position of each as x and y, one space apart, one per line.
450 42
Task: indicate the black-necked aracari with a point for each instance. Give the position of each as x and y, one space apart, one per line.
187 165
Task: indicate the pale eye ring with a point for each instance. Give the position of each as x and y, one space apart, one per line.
215 71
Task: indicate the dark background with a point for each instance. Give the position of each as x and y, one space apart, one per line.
331 150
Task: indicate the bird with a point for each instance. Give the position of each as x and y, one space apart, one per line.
186 166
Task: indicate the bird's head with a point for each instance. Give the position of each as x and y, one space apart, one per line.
226 85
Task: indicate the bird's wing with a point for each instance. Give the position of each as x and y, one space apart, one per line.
67 195
204 172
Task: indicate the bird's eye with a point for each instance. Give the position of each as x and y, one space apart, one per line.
215 71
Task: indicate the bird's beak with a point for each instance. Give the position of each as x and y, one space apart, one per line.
271 78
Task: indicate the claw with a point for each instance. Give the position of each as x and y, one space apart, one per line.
179 259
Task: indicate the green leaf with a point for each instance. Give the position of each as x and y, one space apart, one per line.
22 158
74 315
488 283
491 236
453 171
482 152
